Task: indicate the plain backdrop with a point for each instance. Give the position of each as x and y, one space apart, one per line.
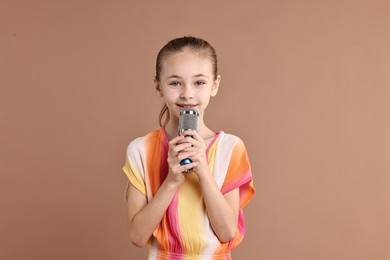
305 84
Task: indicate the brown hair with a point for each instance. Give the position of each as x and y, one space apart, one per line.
177 45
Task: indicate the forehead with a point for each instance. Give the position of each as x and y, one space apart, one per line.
186 62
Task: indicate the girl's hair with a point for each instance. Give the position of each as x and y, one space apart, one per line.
179 44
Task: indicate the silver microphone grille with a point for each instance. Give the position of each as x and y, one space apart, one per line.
188 119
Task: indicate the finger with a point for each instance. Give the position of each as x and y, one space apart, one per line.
192 133
187 140
184 155
175 140
196 144
190 149
172 145
186 167
181 147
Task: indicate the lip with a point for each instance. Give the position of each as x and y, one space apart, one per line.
187 105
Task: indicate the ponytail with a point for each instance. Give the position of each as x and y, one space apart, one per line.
163 113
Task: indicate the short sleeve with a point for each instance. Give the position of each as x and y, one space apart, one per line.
239 174
133 167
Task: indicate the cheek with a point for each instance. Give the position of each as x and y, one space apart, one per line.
206 98
170 100
206 94
169 93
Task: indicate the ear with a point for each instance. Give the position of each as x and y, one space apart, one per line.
215 87
157 86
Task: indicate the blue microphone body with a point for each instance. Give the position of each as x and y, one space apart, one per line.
185 161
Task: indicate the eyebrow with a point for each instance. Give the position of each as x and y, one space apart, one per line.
200 75
173 76
195 76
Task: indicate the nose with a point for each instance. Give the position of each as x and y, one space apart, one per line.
186 93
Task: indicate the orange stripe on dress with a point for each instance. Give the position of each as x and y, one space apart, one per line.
168 232
238 175
153 158
239 171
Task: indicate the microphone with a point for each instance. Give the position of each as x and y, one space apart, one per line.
188 120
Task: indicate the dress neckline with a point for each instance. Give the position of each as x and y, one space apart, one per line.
217 134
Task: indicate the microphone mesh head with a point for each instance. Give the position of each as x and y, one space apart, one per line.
188 119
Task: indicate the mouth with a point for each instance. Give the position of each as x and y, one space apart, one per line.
186 105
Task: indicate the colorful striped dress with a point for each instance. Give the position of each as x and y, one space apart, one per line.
185 231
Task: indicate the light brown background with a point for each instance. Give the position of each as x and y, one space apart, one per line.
305 85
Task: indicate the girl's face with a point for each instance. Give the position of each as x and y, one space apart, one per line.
187 81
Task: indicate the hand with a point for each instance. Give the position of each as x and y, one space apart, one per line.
177 152
195 149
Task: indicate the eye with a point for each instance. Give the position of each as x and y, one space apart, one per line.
199 82
174 83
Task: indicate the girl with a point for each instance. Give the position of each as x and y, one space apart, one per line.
195 215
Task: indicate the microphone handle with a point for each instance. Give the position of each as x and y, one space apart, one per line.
186 160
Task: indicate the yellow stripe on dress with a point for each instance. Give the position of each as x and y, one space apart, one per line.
134 177
191 214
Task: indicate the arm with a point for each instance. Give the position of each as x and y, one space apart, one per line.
143 217
222 209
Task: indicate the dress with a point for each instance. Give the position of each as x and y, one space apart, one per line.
185 231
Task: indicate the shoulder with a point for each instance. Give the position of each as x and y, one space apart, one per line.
139 143
230 140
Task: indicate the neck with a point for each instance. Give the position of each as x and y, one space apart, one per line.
172 128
